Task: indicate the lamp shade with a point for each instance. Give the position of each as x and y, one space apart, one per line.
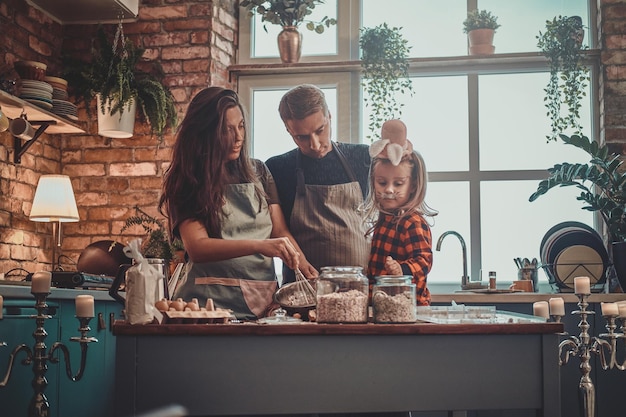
54 200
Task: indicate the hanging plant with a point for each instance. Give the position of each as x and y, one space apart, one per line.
114 71
385 64
562 43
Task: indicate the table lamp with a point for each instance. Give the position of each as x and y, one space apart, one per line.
54 203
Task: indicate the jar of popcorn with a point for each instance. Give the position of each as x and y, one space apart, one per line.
393 299
342 295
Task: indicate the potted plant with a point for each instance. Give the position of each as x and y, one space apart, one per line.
158 244
385 65
114 74
480 26
562 43
289 14
602 184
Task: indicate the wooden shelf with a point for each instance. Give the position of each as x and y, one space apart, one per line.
13 107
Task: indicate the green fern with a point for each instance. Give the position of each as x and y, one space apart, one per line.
158 244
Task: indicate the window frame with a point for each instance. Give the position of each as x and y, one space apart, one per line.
343 71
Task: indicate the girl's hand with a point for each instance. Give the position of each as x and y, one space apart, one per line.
307 269
282 248
392 267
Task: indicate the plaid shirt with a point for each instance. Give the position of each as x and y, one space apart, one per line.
409 242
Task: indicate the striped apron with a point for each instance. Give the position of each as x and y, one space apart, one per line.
326 223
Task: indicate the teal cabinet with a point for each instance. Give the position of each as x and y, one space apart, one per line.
93 394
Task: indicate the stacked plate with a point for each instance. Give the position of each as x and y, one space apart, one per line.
60 105
65 108
572 249
37 92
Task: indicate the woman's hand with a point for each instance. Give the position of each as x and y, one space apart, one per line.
392 267
282 248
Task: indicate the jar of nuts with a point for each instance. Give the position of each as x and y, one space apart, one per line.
393 299
342 295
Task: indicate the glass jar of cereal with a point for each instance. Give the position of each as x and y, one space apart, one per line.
393 299
342 295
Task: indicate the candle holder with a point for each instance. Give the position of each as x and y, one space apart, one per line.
39 356
604 345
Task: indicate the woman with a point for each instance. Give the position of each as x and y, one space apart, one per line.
224 207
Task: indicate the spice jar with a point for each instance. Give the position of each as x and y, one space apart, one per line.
342 295
393 299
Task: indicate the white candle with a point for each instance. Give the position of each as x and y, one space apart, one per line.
1 303
541 309
84 306
557 306
581 285
621 307
609 309
41 282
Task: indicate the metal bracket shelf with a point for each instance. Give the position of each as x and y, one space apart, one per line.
21 147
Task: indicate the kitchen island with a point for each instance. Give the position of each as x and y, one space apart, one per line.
247 369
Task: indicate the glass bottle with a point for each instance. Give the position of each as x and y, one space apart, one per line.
342 295
393 299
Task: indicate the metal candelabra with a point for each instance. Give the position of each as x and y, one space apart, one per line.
583 345
39 356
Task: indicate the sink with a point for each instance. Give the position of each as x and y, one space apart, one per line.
475 285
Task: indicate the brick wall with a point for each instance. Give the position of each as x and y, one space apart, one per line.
612 17
195 42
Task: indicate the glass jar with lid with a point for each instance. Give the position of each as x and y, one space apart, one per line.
342 295
393 299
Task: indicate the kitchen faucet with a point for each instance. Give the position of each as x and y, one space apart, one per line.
465 278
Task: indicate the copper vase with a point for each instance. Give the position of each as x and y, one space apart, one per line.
289 44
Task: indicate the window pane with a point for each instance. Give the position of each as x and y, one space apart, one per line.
268 134
442 22
264 43
513 124
451 199
432 28
522 20
513 227
436 119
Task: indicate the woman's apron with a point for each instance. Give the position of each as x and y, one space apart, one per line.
326 223
246 284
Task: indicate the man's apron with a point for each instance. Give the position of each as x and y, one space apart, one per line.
245 284
326 223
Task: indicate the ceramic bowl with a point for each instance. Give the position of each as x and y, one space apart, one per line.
30 70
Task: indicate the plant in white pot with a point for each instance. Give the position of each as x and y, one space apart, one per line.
480 26
114 77
289 14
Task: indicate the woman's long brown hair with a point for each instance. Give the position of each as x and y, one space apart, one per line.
195 183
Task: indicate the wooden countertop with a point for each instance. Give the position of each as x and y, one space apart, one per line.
121 328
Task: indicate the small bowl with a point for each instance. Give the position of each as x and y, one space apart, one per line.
30 70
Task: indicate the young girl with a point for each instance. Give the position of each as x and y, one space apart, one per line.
401 241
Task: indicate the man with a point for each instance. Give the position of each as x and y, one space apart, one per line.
321 184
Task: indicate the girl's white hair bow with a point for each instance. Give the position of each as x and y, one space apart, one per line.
393 144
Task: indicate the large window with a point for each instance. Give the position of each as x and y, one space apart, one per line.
480 123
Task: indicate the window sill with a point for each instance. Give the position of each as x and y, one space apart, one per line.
455 64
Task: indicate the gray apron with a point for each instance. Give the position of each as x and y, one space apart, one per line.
245 284
326 223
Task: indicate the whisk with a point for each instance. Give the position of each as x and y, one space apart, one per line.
304 287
